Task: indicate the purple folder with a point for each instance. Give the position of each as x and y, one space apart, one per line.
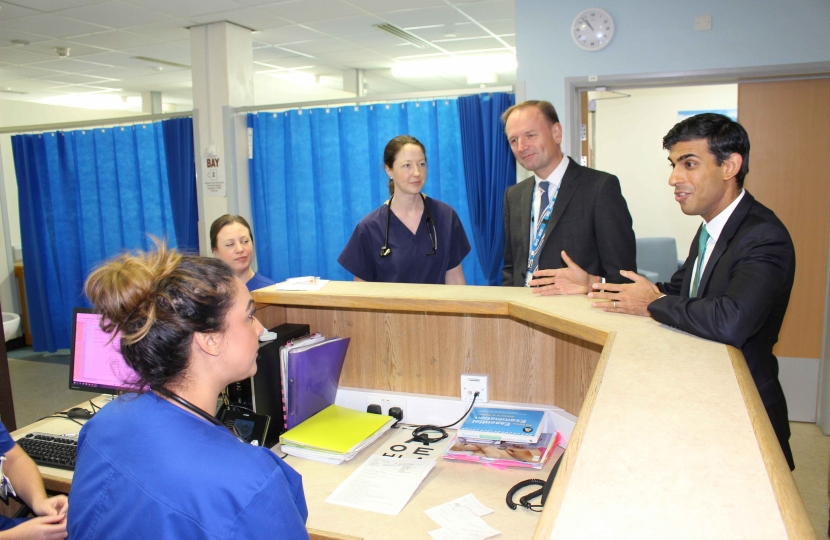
313 376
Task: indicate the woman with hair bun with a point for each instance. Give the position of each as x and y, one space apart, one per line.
411 238
232 241
158 464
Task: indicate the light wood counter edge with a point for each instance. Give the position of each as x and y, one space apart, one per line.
315 534
563 476
558 324
434 305
793 511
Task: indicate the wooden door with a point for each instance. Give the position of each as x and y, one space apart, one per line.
789 171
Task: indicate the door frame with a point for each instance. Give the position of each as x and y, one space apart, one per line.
576 86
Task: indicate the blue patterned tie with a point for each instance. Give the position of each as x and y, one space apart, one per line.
701 252
544 185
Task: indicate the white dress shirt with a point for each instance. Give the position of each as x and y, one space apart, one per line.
555 178
714 228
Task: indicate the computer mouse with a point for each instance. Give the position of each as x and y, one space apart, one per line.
78 412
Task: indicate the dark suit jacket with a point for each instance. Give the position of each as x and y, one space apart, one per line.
743 293
590 221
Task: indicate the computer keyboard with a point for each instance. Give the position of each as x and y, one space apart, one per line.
51 450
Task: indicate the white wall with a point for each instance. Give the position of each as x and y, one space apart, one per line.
20 113
629 133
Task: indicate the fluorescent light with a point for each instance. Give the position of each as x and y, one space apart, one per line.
456 66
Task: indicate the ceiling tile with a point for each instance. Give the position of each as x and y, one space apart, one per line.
490 10
170 30
287 34
306 11
111 58
54 5
379 38
52 25
347 26
9 34
27 85
265 54
378 6
413 18
66 64
117 73
253 18
116 39
114 14
17 55
475 44
500 27
359 58
322 46
461 30
12 11
510 40
75 78
292 62
173 52
24 72
75 49
188 8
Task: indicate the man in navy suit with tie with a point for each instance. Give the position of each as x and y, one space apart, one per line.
563 216
735 285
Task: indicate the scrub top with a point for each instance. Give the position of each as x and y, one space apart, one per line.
149 469
408 262
6 444
258 281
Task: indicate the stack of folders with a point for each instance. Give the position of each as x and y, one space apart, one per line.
310 368
335 434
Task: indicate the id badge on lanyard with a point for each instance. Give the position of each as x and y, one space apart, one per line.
536 246
6 488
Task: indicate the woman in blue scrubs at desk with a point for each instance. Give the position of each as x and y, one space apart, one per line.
158 465
232 241
411 238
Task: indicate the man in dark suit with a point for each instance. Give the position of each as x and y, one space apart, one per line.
564 218
735 285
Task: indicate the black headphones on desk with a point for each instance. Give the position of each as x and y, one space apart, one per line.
385 250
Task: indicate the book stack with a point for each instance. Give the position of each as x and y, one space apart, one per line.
334 435
503 438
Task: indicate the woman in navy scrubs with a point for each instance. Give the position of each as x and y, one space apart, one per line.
232 241
158 464
411 238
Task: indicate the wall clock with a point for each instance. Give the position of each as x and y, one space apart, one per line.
593 29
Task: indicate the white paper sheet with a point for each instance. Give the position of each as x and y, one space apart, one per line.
301 284
460 520
382 484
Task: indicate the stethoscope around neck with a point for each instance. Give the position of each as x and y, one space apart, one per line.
385 250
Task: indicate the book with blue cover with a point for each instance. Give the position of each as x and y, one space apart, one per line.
511 425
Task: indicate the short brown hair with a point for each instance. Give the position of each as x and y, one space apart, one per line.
223 221
157 300
545 107
391 152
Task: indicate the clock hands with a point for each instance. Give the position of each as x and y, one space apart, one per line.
589 24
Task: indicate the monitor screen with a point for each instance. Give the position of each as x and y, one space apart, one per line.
96 364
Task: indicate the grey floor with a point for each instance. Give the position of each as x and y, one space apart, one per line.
40 386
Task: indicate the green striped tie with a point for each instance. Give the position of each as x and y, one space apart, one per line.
701 252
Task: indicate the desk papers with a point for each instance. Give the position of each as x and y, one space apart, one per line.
461 520
382 484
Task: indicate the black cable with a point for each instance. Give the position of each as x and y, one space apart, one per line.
59 416
95 408
419 433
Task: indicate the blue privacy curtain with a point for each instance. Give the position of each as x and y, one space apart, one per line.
489 169
316 172
84 196
181 176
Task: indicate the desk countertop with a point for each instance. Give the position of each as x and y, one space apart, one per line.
672 440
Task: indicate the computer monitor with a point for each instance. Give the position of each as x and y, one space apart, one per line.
96 364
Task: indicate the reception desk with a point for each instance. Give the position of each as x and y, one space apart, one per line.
671 441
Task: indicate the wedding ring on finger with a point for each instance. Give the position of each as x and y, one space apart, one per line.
614 304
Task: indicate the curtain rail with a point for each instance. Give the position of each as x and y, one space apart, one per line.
94 123
373 99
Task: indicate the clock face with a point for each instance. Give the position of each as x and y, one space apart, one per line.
593 29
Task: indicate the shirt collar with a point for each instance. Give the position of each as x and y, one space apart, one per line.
555 177
716 225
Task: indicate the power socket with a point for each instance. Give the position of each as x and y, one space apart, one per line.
386 401
472 383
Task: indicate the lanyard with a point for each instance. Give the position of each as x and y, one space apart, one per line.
536 245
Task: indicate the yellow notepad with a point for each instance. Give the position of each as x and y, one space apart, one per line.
336 429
